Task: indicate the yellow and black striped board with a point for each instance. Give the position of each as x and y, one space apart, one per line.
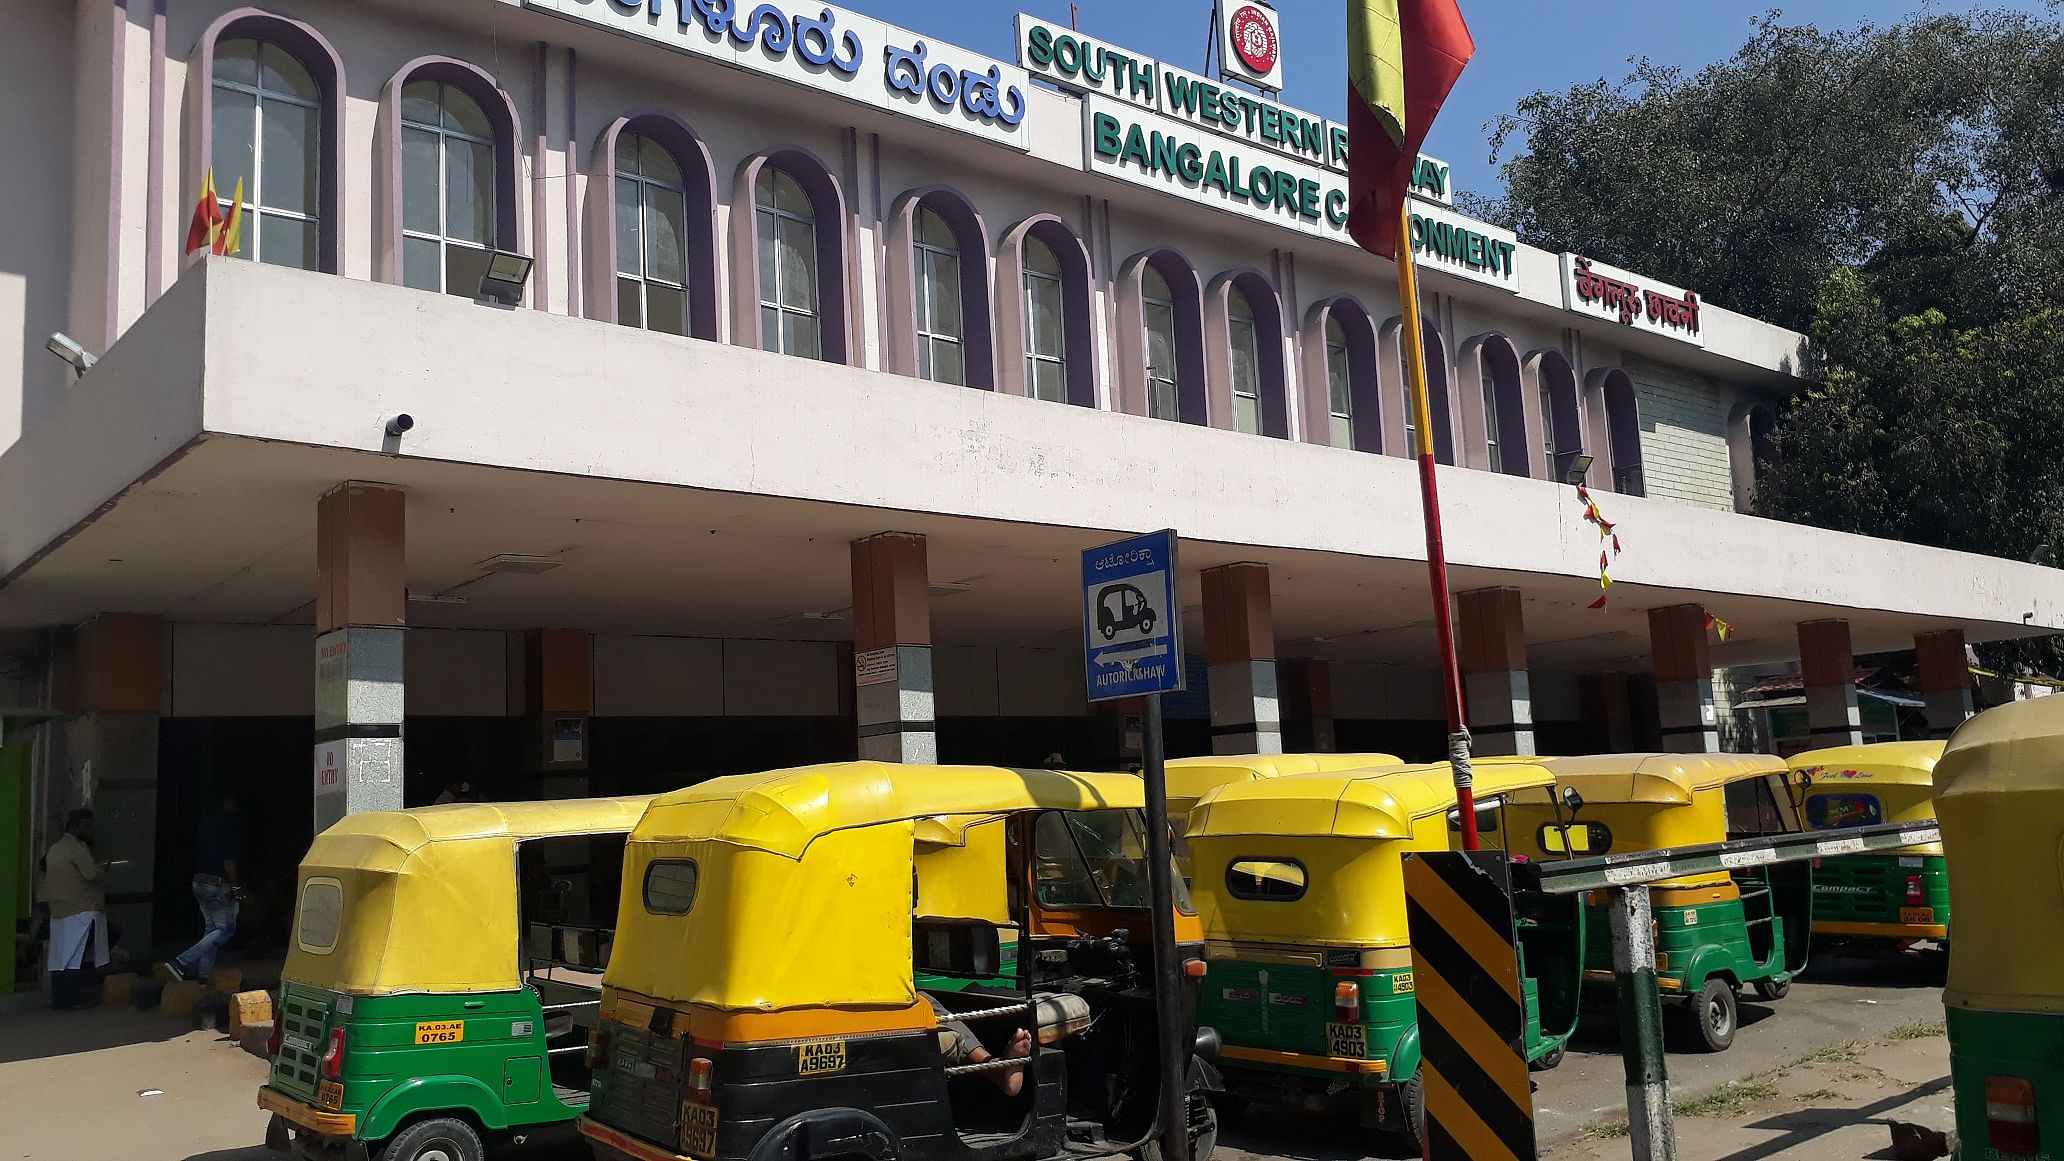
1472 1015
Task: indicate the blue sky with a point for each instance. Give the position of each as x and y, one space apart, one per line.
1522 45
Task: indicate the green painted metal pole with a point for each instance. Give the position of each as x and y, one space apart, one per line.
1641 1026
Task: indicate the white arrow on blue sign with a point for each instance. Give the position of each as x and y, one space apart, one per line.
1132 617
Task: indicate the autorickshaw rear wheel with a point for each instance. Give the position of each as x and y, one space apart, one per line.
1707 1021
1203 1138
1412 1095
1772 990
435 1139
1547 1060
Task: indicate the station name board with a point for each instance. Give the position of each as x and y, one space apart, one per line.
1630 300
1160 153
831 50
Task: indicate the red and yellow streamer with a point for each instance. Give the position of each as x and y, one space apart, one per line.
1608 544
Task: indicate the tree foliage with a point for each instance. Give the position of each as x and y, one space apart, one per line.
1895 191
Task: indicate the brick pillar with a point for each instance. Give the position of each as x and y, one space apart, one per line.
1240 645
1307 684
1944 672
1684 679
1494 672
1828 665
361 613
558 699
892 649
112 679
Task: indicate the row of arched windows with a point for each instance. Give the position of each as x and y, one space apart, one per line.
1211 354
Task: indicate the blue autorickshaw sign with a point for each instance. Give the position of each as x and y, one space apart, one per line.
1132 617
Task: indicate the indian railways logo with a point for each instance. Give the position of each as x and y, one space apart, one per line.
1254 39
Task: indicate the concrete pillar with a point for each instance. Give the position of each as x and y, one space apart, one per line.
892 649
1828 665
1494 672
558 699
1240 647
112 679
1684 679
361 611
1943 668
1307 684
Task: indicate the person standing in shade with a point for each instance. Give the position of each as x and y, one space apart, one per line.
75 887
216 890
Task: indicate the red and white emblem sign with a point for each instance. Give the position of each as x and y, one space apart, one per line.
1253 37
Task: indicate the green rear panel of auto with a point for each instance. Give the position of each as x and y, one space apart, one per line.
2024 1044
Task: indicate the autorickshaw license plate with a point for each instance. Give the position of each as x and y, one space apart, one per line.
699 1128
1917 915
1349 1040
330 1095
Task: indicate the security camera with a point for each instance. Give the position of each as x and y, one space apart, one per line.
67 348
399 423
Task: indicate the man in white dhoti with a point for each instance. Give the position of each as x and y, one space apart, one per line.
75 887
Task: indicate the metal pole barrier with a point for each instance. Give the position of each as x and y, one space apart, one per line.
1641 1026
1168 981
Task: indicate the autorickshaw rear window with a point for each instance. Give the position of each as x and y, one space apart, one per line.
1266 880
670 886
1830 811
321 915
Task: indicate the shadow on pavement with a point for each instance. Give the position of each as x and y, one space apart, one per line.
39 1033
249 1153
1335 1134
1797 1128
1861 964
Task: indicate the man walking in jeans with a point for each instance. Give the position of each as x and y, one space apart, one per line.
216 889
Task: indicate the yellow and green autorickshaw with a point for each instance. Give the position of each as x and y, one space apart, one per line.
1999 796
444 970
1190 779
773 991
1715 933
1299 883
1899 896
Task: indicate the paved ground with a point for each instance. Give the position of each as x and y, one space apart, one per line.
1857 1044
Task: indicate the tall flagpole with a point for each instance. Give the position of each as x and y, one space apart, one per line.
1436 552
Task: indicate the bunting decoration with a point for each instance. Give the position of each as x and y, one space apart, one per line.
1608 544
1719 626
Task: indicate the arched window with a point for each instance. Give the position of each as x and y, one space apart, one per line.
448 188
1339 389
1561 414
267 138
652 233
1609 393
1342 405
1496 415
941 323
1045 335
264 97
1245 354
1157 307
789 321
1398 391
1249 384
1046 353
789 264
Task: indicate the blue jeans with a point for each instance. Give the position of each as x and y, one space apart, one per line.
218 916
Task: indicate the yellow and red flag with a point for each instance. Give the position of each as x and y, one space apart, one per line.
1403 56
211 229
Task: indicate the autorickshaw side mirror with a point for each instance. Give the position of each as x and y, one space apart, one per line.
1571 800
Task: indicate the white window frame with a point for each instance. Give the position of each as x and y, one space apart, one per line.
1034 280
1243 335
769 218
645 184
1148 302
1341 432
934 333
442 237
254 198
1495 456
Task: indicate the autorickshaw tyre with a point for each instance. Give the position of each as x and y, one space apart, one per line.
1771 991
435 1139
1109 630
1707 1021
1547 1061
1146 624
1202 1142
1412 1096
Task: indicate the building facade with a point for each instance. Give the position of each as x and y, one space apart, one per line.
835 347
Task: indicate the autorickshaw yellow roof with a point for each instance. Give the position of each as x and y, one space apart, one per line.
781 811
426 900
1893 763
1658 779
1192 778
1374 803
1999 797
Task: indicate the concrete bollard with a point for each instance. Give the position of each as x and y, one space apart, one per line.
249 1008
227 980
118 990
180 997
146 994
